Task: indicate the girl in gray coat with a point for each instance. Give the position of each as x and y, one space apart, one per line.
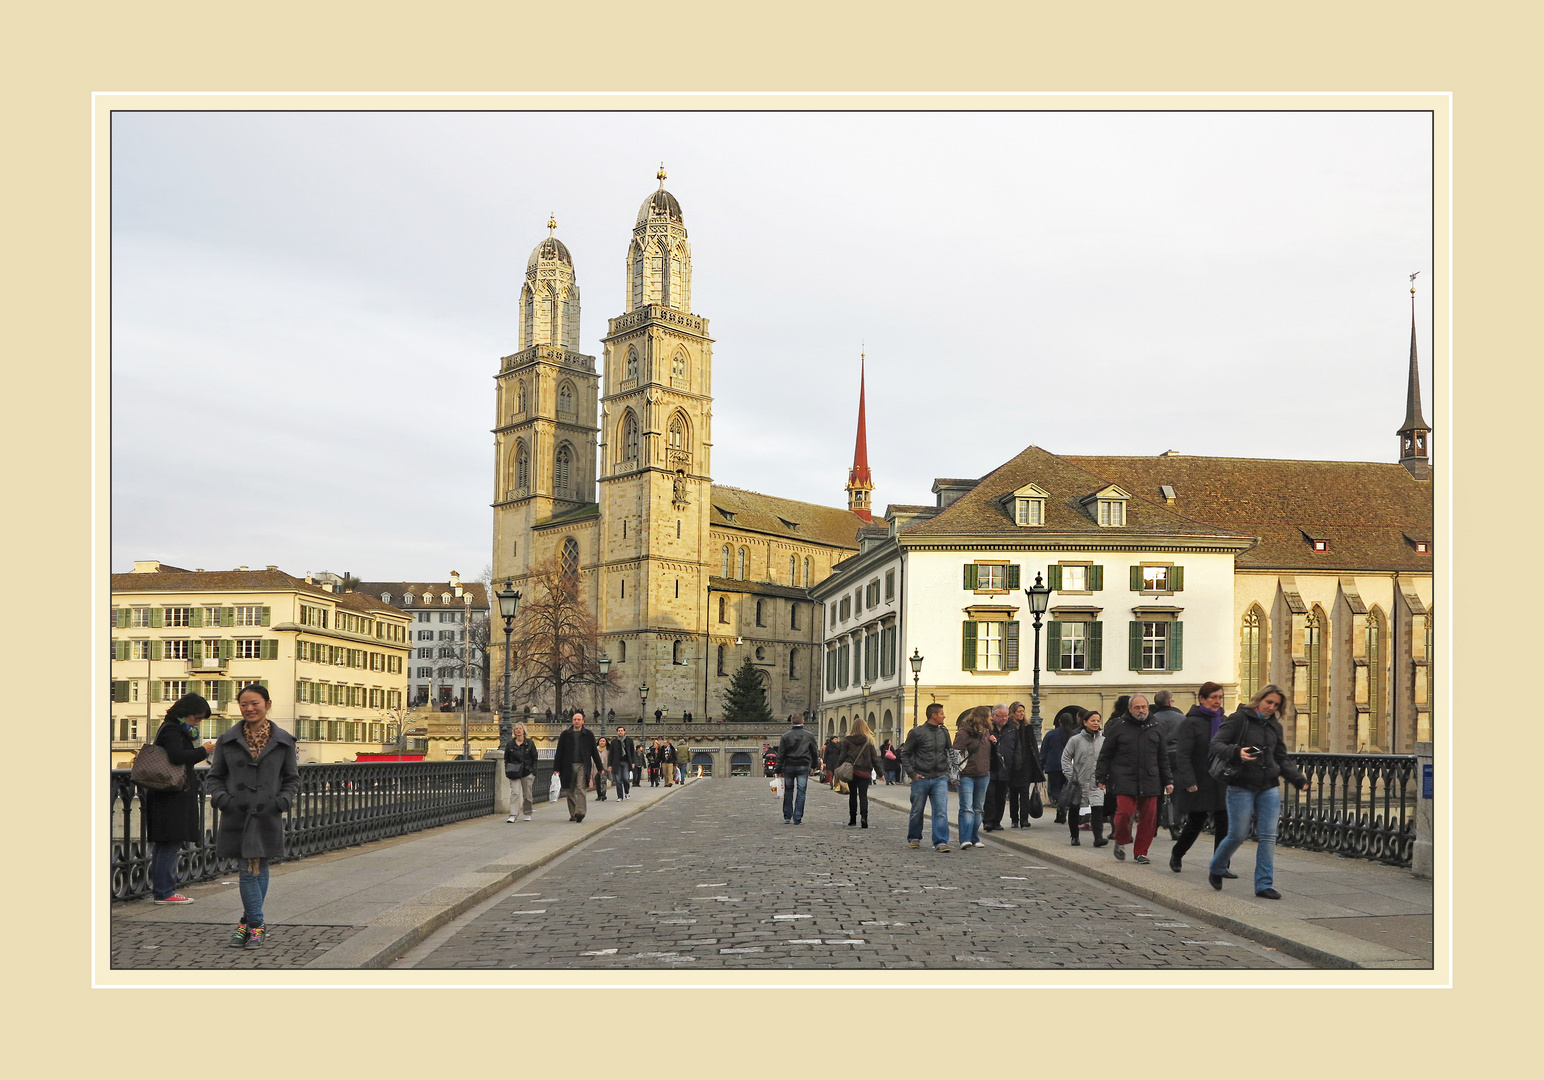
1080 758
253 779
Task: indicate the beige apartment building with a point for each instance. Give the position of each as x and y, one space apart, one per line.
335 664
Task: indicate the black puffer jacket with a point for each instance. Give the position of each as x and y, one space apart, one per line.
1192 762
925 751
1135 759
1245 728
519 759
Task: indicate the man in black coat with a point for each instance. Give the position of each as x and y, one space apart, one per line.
1168 718
1003 758
576 754
624 754
797 754
1135 765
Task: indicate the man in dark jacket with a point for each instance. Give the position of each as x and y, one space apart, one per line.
623 754
1168 719
1002 766
797 754
1135 765
925 760
576 753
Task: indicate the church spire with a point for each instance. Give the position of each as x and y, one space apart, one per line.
1414 433
859 482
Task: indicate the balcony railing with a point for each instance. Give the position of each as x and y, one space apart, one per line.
1358 805
339 805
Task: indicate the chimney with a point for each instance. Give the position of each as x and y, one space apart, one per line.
271 567
241 568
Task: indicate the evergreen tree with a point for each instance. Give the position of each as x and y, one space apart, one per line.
746 698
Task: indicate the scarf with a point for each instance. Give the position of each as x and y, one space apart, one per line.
1214 715
257 737
190 730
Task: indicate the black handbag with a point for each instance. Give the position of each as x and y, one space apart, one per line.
1036 804
1223 768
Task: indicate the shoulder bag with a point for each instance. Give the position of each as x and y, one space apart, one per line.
1036 803
1222 767
154 769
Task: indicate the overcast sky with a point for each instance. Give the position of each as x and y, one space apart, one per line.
309 309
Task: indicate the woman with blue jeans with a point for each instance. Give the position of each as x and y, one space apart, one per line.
973 737
1252 742
171 817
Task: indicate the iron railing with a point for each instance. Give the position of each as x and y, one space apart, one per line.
1358 805
339 805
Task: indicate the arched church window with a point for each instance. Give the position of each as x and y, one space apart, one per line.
637 262
741 574
562 467
630 437
522 466
723 609
720 660
677 281
806 573
677 432
1377 732
566 398
631 370
793 569
1318 678
1251 660
570 559
678 366
675 653
522 398
725 571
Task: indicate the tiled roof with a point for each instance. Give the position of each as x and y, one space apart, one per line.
367 604
759 588
192 581
1368 511
981 511
397 589
755 512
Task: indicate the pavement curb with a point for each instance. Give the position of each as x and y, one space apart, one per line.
408 924
1317 945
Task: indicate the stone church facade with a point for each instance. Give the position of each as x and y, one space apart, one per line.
608 467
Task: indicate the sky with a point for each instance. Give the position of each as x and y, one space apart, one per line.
308 309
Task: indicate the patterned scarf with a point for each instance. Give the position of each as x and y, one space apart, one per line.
257 737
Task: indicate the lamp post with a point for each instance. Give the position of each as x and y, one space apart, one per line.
605 674
865 688
466 659
509 607
1039 596
643 710
915 660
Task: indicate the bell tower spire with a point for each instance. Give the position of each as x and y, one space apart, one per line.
860 483
1415 432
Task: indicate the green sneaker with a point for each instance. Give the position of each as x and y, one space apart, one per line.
255 937
238 938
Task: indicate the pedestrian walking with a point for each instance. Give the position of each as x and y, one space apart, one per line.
1168 719
798 754
1067 723
253 779
828 759
1252 743
890 762
997 792
925 760
1197 796
1024 767
858 749
603 773
576 757
520 769
1134 764
171 817
651 757
667 762
621 760
1080 765
973 738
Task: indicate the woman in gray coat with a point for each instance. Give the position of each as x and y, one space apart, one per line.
1079 761
253 779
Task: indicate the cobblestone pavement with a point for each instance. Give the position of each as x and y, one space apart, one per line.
715 879
202 946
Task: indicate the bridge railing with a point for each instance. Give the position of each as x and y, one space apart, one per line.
339 805
1358 805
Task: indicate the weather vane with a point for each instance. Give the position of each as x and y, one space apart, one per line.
552 224
1412 282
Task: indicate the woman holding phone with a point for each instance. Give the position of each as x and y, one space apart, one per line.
1252 742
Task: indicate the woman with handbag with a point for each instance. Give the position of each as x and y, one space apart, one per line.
859 760
520 769
1024 769
253 779
171 816
889 762
603 748
1196 794
1080 763
973 738
1250 754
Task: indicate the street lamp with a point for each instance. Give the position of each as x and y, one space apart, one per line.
643 710
605 674
865 688
509 607
915 660
1039 596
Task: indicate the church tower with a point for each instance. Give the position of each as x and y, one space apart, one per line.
860 484
1414 434
545 428
655 468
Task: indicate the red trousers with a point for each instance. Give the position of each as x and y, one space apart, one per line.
1145 807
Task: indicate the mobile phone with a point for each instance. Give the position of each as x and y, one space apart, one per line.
1255 750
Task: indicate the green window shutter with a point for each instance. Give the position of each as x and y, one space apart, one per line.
156 616
1136 579
227 648
261 682
196 616
1095 646
968 646
155 651
1013 577
1095 578
155 689
1136 646
970 576
120 691
227 616
121 618
267 612
1176 645
196 648
1053 577
270 648
1176 578
1053 639
1011 646
120 650
300 691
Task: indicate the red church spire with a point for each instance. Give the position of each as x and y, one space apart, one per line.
859 481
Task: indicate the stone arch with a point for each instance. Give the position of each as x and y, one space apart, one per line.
889 722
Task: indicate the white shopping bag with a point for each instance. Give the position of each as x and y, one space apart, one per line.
777 785
552 794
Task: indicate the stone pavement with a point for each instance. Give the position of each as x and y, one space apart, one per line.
713 879
1334 912
363 906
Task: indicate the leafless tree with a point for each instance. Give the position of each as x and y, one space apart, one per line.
557 645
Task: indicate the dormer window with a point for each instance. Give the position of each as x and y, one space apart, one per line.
1108 506
1321 545
1423 547
1027 505
1112 512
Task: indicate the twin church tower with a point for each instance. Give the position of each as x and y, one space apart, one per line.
610 471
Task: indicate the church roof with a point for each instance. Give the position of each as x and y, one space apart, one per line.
736 508
660 202
1366 511
549 249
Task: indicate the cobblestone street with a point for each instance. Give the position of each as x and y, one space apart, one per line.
203 946
713 878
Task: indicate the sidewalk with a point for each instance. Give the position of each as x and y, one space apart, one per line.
396 892
1333 912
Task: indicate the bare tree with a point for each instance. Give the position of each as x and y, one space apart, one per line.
557 645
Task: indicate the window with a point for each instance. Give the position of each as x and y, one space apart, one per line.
211 648
675 652
522 466
758 614
253 616
793 616
570 562
1112 512
846 607
761 653
741 565
1429 651
622 652
566 399
425 616
1321 545
521 397
1318 679
562 467
424 672
1423 547
630 371
1251 659
793 663
678 366
723 609
139 616
889 584
678 529
677 432
724 572
1373 649
175 650
793 570
309 616
1074 647
887 641
1157 579
178 616
831 659
139 650
1029 511
991 577
720 668
211 616
426 635
842 666
989 646
872 598
1155 645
